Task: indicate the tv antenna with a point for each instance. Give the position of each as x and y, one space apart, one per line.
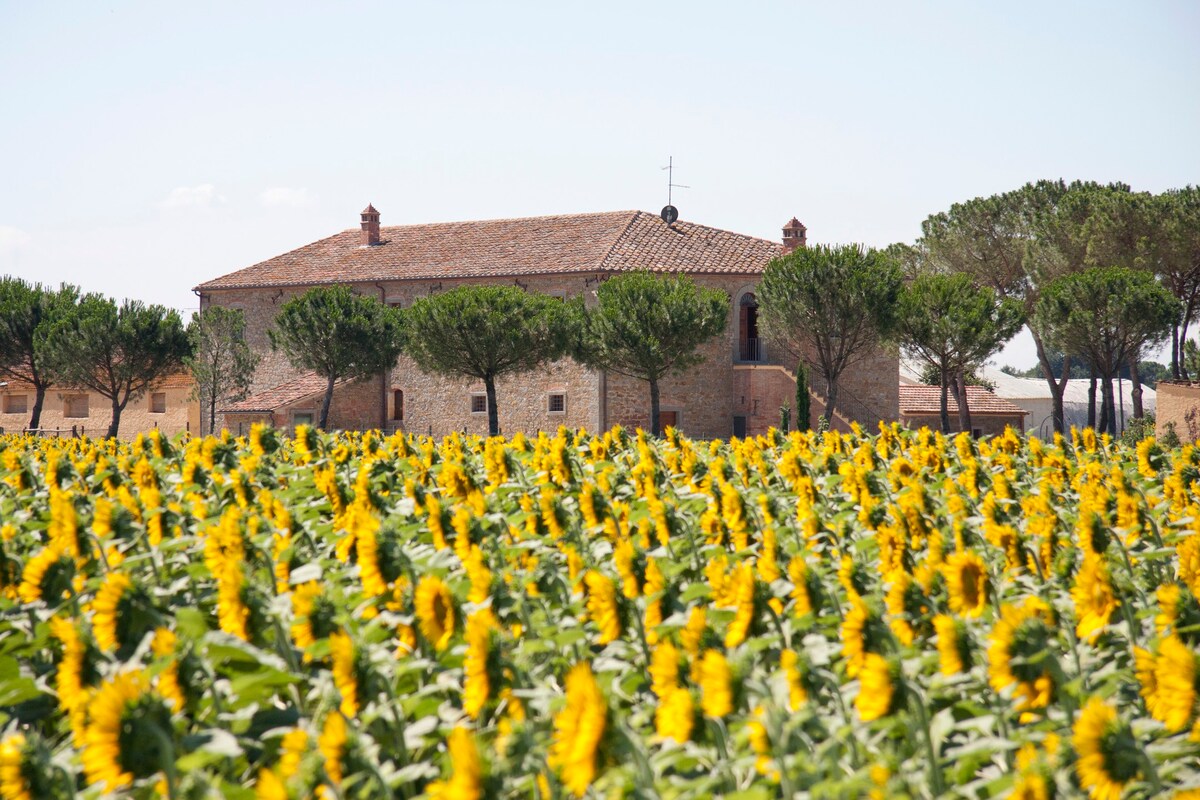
670 213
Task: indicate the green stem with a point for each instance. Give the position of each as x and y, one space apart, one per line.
935 770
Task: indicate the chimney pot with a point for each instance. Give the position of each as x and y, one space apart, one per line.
794 235
370 226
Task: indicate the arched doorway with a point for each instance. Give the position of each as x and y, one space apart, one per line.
749 344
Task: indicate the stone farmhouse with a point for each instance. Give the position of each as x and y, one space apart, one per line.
169 406
738 390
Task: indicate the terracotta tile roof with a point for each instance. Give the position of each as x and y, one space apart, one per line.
921 400
610 241
268 400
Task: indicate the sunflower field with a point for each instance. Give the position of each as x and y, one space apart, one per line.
599 615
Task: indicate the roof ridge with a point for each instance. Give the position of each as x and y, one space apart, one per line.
620 235
502 219
731 233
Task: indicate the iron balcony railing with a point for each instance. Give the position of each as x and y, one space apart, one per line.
753 351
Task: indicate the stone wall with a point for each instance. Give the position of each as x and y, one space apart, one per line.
180 414
704 399
986 424
1178 407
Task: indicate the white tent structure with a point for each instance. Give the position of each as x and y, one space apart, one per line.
1033 395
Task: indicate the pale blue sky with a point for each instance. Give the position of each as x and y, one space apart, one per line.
147 147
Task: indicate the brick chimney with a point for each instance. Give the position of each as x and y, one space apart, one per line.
794 235
370 226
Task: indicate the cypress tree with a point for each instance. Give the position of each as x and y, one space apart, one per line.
802 399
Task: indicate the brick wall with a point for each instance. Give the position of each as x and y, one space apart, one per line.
181 413
1178 405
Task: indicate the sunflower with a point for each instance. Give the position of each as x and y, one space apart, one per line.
13 782
1093 596
313 616
967 581
76 673
106 616
163 646
232 611
578 729
656 584
907 606
332 744
435 611
380 560
716 685
476 683
1169 685
664 669
126 727
863 631
1107 755
793 674
480 576
1020 641
877 688
742 584
466 770
675 715
602 606
345 671
952 645
48 575
270 786
797 570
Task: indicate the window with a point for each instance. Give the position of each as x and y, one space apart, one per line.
158 402
75 405
302 418
668 419
478 403
16 403
556 403
398 405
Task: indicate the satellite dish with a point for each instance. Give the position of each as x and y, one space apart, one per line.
669 214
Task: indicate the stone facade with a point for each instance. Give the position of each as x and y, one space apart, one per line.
1178 409
981 424
711 400
170 407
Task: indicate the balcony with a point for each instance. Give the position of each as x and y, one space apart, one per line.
751 351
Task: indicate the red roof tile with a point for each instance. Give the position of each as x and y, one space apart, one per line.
268 400
922 400
604 242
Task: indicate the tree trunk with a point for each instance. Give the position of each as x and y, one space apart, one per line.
325 403
654 420
1057 388
1175 354
831 403
115 425
212 412
1135 379
1091 421
489 385
1110 407
945 405
960 394
39 400
1183 330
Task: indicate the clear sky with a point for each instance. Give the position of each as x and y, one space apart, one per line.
147 147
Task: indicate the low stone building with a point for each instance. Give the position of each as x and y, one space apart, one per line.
170 406
738 390
1178 410
920 406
